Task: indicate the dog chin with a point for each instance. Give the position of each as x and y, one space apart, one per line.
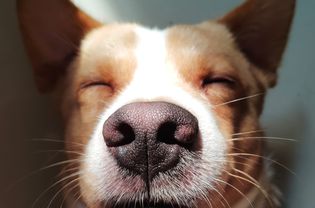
158 193
149 205
181 186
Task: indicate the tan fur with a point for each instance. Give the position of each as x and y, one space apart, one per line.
208 50
114 66
261 30
82 103
227 48
52 37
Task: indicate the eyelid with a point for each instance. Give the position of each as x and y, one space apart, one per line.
94 83
218 79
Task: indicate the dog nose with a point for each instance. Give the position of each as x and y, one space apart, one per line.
148 137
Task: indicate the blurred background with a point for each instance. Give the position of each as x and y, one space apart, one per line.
26 118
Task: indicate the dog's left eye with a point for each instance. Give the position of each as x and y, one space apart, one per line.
224 80
95 84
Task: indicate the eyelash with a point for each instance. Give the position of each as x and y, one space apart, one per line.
94 84
218 80
205 82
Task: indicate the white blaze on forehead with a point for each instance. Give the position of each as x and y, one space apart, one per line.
156 79
152 75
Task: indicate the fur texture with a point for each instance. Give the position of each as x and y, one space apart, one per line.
219 71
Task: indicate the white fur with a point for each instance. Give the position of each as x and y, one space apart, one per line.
156 79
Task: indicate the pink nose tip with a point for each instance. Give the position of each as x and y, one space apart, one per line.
147 137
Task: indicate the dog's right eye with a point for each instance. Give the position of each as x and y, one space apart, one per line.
223 80
92 90
95 84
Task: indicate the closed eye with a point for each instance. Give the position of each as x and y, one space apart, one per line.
95 84
224 80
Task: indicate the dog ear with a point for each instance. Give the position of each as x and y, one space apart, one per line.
52 31
261 29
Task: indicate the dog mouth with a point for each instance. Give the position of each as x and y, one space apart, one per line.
150 200
153 158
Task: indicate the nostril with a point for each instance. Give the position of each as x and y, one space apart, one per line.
186 134
119 134
166 133
172 132
147 138
127 132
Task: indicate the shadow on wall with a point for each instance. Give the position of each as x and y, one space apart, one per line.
25 115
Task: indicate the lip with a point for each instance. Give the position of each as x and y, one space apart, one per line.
150 195
148 205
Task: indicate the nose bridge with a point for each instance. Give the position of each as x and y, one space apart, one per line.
146 117
154 73
153 84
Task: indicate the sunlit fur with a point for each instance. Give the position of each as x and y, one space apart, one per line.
157 74
218 71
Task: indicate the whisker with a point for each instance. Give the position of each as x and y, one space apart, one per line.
224 199
268 138
50 187
236 189
206 199
60 151
66 170
64 187
66 195
246 174
248 132
217 191
254 183
78 195
56 141
233 162
177 201
243 155
39 171
257 182
238 99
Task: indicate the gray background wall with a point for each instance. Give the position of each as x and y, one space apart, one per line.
26 115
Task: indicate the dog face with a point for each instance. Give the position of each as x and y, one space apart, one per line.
157 67
151 115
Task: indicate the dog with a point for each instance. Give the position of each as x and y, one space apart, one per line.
160 118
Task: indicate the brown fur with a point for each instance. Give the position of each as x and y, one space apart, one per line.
210 57
246 45
261 30
52 37
84 101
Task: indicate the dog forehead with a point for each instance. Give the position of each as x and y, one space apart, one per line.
109 39
173 49
201 39
207 37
